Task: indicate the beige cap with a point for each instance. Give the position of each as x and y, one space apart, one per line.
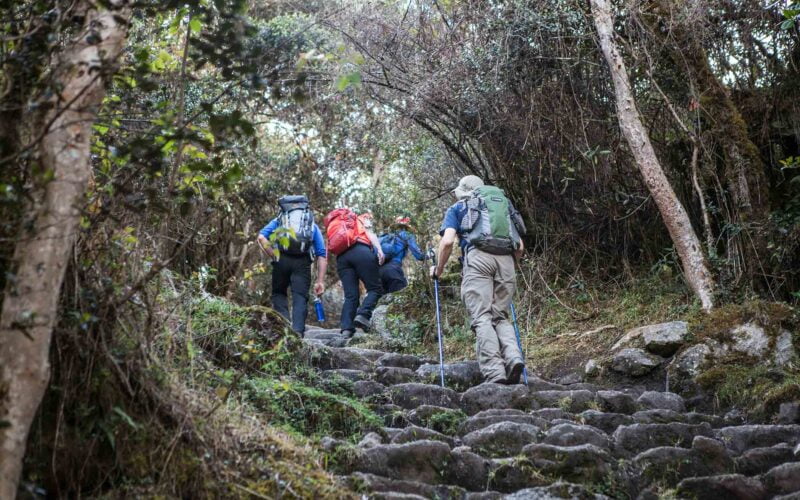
467 185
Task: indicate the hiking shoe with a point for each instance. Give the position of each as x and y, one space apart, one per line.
515 372
363 322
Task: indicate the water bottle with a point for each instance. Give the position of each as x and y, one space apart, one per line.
319 309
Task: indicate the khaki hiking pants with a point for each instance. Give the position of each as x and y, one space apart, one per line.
487 288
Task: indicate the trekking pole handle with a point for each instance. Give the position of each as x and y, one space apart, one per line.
432 256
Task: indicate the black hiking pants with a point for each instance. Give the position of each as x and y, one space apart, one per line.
393 278
358 263
292 271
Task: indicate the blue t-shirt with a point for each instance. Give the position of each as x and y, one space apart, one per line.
318 242
452 220
406 241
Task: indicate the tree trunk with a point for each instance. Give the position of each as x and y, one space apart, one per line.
43 248
672 211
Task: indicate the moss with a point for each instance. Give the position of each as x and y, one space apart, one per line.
446 422
717 324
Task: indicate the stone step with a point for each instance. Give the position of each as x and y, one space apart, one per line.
378 484
741 438
630 440
412 395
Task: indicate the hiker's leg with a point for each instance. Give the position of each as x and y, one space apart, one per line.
281 273
368 272
392 277
476 292
301 281
504 286
349 279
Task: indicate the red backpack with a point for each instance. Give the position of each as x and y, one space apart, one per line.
344 230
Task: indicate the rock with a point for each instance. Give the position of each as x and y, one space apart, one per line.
658 417
438 418
366 388
467 469
417 461
371 440
392 375
539 384
784 478
591 369
789 413
371 354
400 361
379 321
717 487
734 417
551 414
488 417
744 437
512 474
327 358
714 421
668 464
784 348
634 362
633 439
414 433
713 455
573 401
570 379
410 396
616 402
460 376
377 484
393 415
502 439
574 435
652 400
687 365
487 396
352 375
750 339
330 444
760 460
606 422
584 463
664 338
558 490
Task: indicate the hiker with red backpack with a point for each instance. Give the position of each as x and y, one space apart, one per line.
292 254
395 244
488 228
358 257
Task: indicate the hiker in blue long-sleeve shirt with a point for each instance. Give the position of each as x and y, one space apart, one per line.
395 244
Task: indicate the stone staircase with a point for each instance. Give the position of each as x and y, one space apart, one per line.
473 440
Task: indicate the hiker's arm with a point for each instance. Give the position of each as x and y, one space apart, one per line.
322 268
445 249
376 244
415 250
265 245
520 250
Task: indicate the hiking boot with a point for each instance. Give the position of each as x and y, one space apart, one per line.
515 372
348 333
362 322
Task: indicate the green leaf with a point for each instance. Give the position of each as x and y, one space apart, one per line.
195 25
345 81
787 24
100 129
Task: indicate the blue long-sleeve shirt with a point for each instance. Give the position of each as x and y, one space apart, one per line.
406 241
317 241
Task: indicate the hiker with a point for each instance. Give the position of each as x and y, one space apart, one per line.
291 265
352 241
488 227
394 245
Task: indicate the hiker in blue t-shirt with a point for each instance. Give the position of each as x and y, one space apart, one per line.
395 244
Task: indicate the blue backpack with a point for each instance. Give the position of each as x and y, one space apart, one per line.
391 245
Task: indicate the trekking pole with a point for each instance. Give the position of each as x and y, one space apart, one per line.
432 255
519 343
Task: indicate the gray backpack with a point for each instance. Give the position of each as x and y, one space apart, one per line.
296 215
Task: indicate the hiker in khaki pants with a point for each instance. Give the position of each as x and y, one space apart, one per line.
488 228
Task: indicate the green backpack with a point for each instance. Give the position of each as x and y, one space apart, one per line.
491 223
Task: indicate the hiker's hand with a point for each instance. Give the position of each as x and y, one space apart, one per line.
319 287
381 258
433 273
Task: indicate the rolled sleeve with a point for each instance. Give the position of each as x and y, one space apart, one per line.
451 220
319 243
269 228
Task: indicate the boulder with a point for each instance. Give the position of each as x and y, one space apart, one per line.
664 338
371 354
327 358
502 439
725 486
370 440
574 435
488 417
487 396
551 414
460 376
634 439
784 348
591 369
789 413
759 460
687 365
438 418
400 361
412 395
616 402
570 379
606 422
379 321
741 438
750 339
584 463
366 388
573 401
634 362
392 375
653 400
417 461
784 478
712 454
667 464
414 433
467 469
